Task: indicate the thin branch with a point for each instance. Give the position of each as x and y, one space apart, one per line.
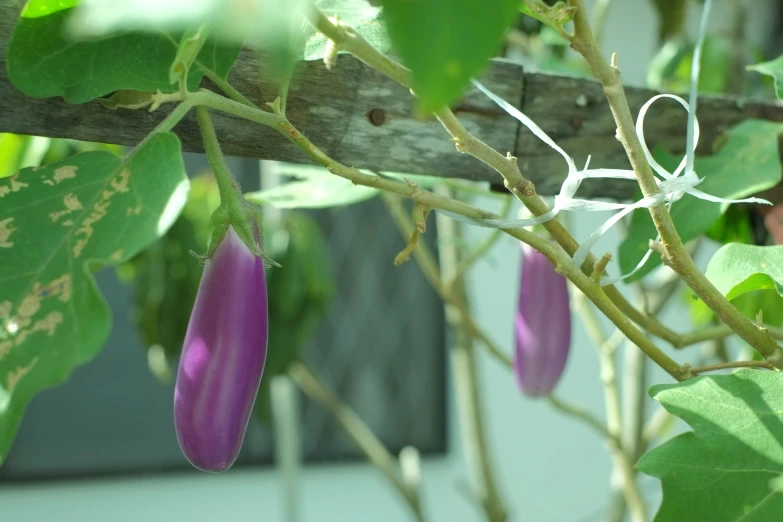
732 364
675 254
429 267
623 460
579 413
488 243
353 426
556 256
600 12
719 332
349 40
466 378
226 87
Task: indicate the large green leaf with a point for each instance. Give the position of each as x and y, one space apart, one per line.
38 8
364 18
302 289
275 25
315 187
57 224
773 68
737 268
721 471
746 164
44 62
446 43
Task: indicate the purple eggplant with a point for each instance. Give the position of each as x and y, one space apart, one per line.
543 325
223 356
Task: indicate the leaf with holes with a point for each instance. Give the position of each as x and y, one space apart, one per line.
362 17
447 43
736 269
44 62
746 164
57 224
721 471
773 68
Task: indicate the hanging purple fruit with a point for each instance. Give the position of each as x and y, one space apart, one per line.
223 356
543 325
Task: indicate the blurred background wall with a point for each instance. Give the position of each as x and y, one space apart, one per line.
551 468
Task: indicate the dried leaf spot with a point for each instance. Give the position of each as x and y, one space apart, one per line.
5 232
5 309
71 203
120 183
131 211
11 184
59 288
5 348
14 376
98 212
48 325
60 175
30 305
116 255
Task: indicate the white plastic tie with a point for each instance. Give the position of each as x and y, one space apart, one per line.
672 186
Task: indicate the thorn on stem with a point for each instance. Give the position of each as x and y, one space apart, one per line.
599 267
657 246
613 63
275 106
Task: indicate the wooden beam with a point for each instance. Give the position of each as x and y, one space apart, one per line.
363 119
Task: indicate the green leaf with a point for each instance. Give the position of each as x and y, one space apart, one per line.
557 14
746 164
737 268
44 62
18 152
735 226
302 288
773 68
446 43
722 470
57 224
274 25
359 15
317 188
38 8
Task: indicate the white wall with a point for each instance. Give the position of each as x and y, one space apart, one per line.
551 469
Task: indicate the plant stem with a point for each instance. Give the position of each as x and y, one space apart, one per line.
732 364
673 252
623 460
429 267
600 10
349 40
488 243
466 379
285 414
581 414
556 256
226 87
364 438
226 182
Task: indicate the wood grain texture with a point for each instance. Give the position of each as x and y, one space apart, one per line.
363 119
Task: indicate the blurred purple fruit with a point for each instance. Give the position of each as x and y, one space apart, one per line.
543 325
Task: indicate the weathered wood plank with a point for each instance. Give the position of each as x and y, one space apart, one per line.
363 119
